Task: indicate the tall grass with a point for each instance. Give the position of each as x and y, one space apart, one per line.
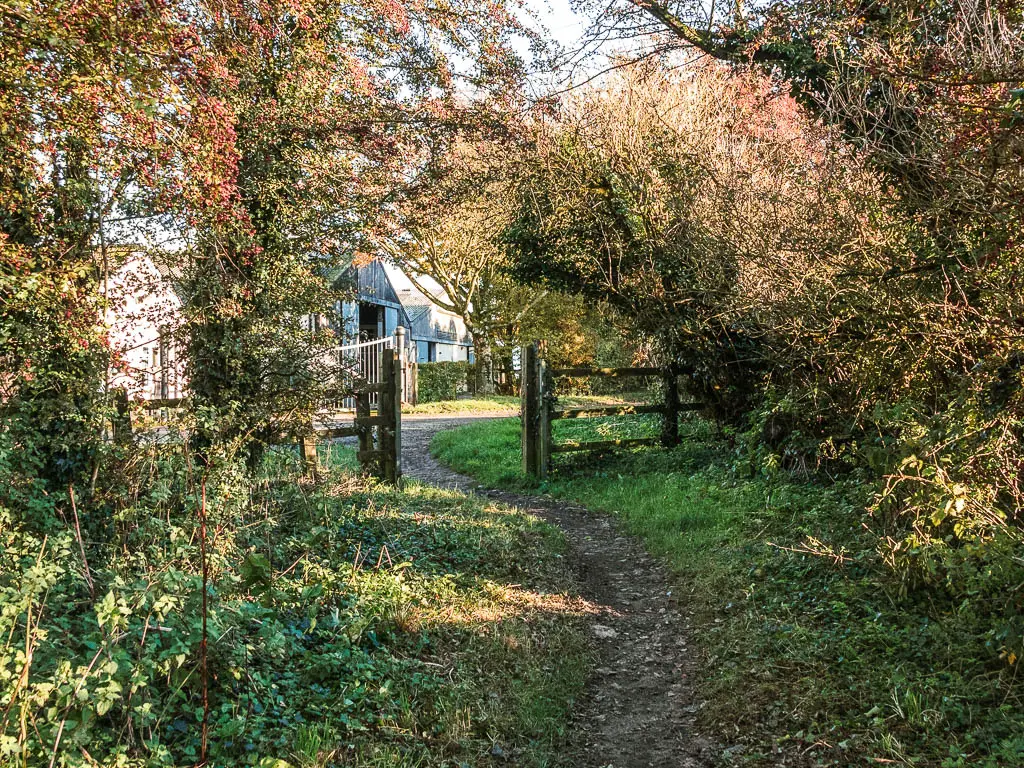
678 503
814 651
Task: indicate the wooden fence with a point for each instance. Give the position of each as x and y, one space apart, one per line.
377 422
379 433
539 411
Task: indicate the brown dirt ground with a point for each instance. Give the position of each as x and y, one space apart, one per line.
639 707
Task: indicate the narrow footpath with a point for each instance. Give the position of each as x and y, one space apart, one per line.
639 706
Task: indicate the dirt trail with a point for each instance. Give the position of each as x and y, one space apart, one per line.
639 708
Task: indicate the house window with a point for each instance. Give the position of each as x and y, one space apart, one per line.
161 388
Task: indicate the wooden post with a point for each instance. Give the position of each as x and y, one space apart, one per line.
390 409
544 401
398 378
400 351
670 425
365 431
530 407
385 407
122 423
307 444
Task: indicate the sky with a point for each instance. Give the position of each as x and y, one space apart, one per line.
566 28
564 25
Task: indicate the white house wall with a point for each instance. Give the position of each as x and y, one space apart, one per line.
444 353
142 309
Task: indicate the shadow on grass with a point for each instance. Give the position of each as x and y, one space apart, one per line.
424 627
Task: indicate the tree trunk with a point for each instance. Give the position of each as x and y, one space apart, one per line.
482 348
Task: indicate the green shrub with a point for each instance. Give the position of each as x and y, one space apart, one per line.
326 614
443 381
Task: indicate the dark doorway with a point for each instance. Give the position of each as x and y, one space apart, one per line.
371 321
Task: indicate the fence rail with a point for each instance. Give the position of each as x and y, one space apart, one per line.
602 445
539 411
377 422
610 410
606 372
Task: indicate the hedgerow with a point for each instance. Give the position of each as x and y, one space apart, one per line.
442 381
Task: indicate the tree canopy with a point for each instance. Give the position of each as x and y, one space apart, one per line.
809 210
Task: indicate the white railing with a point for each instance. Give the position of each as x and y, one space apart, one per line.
364 359
363 362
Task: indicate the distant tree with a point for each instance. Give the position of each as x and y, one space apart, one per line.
449 231
459 251
332 107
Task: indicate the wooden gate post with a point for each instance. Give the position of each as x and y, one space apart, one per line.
544 400
398 379
122 422
670 425
308 445
400 351
528 387
385 409
390 409
365 432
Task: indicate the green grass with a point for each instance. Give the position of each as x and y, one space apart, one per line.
510 405
478 404
813 650
462 612
669 502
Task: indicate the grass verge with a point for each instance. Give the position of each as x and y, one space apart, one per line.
510 405
478 404
814 652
